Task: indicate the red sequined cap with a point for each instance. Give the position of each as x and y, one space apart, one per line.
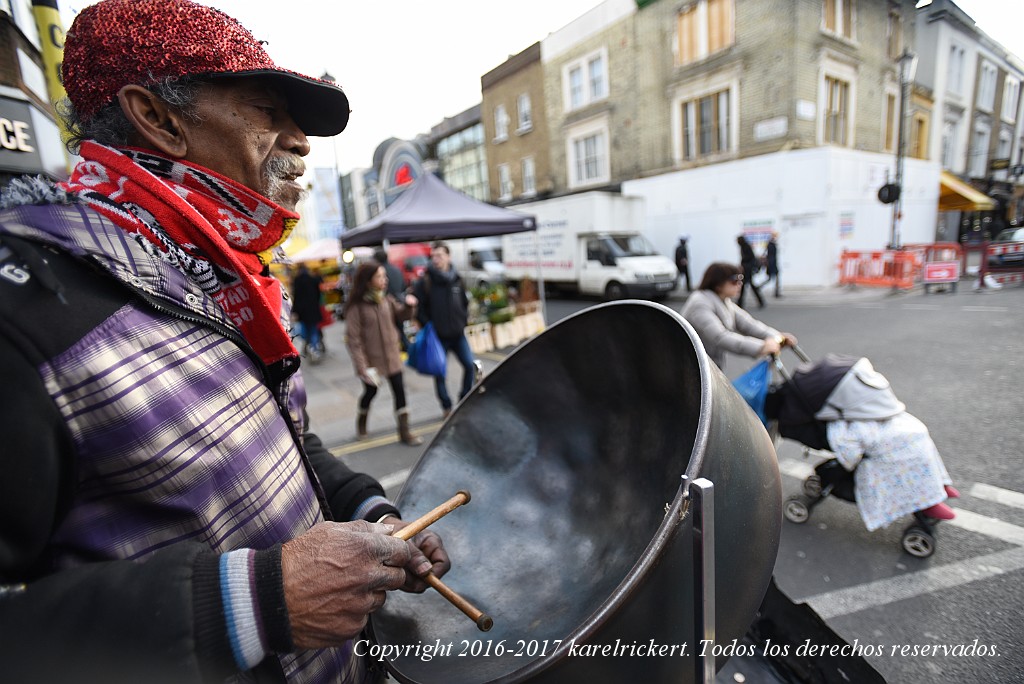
115 43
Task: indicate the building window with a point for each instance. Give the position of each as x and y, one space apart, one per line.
587 153
525 111
504 183
529 177
955 73
463 163
987 87
895 33
838 17
979 152
706 125
588 158
837 111
918 137
703 28
1011 96
500 124
1005 145
891 122
949 130
585 80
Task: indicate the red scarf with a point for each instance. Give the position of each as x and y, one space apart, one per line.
216 231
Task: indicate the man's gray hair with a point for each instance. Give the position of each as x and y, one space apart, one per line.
111 127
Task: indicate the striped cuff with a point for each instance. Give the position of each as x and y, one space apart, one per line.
241 608
373 508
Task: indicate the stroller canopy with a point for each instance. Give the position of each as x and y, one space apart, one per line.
840 388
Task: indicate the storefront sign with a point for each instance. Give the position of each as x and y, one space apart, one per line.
19 151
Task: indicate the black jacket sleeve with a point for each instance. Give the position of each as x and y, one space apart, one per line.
345 489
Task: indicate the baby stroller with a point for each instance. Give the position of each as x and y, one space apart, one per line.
799 408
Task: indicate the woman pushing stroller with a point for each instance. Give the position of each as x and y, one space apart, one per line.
897 468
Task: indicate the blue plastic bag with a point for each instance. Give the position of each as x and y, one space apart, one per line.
426 354
753 387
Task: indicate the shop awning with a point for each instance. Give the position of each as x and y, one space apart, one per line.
956 195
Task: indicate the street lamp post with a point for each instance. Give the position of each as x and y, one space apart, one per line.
907 65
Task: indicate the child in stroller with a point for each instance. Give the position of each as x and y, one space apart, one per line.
885 460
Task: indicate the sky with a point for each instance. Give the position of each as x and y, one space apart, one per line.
407 64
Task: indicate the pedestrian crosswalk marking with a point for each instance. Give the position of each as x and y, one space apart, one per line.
999 495
990 527
902 587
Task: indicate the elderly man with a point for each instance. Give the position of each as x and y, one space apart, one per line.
165 514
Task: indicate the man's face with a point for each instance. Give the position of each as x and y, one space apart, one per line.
441 258
245 132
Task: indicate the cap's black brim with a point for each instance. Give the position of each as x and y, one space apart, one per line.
320 109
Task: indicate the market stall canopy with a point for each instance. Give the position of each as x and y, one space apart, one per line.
430 210
956 195
326 249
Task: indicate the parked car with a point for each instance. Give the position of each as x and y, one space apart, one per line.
1010 259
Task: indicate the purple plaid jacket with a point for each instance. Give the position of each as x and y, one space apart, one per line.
177 435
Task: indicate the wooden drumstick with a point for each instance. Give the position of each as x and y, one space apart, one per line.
482 620
424 521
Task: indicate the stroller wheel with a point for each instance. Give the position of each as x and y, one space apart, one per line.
796 511
918 542
812 486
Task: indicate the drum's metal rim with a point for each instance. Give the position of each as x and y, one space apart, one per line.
677 512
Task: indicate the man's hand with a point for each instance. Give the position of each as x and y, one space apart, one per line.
428 555
335 575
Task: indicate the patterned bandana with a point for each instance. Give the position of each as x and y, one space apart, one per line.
217 232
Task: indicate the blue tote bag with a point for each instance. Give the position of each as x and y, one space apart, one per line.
426 354
753 387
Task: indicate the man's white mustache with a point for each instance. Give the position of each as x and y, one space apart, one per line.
284 168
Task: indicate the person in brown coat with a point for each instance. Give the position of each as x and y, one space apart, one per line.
372 340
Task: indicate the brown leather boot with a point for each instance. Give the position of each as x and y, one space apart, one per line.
404 434
361 424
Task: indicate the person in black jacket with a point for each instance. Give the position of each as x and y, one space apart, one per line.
443 301
306 308
771 263
683 260
750 265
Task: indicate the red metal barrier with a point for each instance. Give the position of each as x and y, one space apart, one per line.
883 268
939 262
1004 275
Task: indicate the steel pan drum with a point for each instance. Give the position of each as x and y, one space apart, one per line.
578 535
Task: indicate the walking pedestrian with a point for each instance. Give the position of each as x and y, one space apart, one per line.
723 326
396 288
168 516
683 260
370 315
443 301
306 309
771 263
751 265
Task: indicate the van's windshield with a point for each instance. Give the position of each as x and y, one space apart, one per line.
629 246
